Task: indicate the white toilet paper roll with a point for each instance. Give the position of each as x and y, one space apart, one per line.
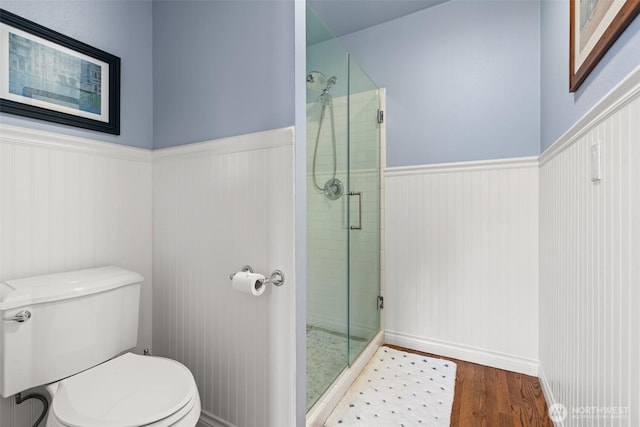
248 283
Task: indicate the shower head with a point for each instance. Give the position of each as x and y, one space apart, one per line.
317 82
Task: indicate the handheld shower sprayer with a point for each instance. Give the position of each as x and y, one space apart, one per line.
316 81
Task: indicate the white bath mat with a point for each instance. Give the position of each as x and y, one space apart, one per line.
398 389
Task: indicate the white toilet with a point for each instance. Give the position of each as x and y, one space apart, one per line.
68 332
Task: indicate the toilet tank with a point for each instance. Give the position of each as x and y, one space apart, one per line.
78 320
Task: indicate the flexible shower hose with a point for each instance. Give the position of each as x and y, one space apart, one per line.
333 139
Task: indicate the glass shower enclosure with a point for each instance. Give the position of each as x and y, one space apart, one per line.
343 209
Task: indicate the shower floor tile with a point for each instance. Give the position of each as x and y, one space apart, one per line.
326 359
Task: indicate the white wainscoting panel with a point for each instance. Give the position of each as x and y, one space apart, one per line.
69 203
590 265
462 261
218 206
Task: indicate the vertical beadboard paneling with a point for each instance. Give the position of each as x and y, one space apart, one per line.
590 266
218 206
69 203
462 257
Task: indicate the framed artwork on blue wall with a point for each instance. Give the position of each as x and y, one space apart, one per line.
48 76
594 26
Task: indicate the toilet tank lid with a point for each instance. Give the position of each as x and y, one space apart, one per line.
53 287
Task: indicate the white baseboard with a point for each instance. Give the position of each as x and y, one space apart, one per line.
207 419
548 394
494 359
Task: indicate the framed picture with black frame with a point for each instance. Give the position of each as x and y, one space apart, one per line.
48 76
594 26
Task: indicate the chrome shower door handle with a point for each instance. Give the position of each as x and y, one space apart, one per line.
20 317
359 194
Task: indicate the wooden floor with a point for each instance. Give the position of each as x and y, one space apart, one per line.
490 397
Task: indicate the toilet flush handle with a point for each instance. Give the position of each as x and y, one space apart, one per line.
20 317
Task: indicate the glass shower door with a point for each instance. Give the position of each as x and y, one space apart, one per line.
327 239
364 210
343 209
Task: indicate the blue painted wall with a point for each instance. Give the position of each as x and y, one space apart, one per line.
466 80
221 68
191 70
559 108
462 79
122 28
332 60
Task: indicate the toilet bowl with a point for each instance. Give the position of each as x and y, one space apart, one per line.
68 332
127 391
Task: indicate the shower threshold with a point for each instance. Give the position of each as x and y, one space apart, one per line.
320 411
326 354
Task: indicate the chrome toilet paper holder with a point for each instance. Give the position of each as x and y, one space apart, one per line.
276 278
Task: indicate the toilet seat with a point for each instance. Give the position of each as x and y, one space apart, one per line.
127 391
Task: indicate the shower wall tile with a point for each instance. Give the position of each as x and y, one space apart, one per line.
462 261
590 265
69 203
220 205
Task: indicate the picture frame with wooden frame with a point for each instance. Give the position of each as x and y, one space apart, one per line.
594 26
